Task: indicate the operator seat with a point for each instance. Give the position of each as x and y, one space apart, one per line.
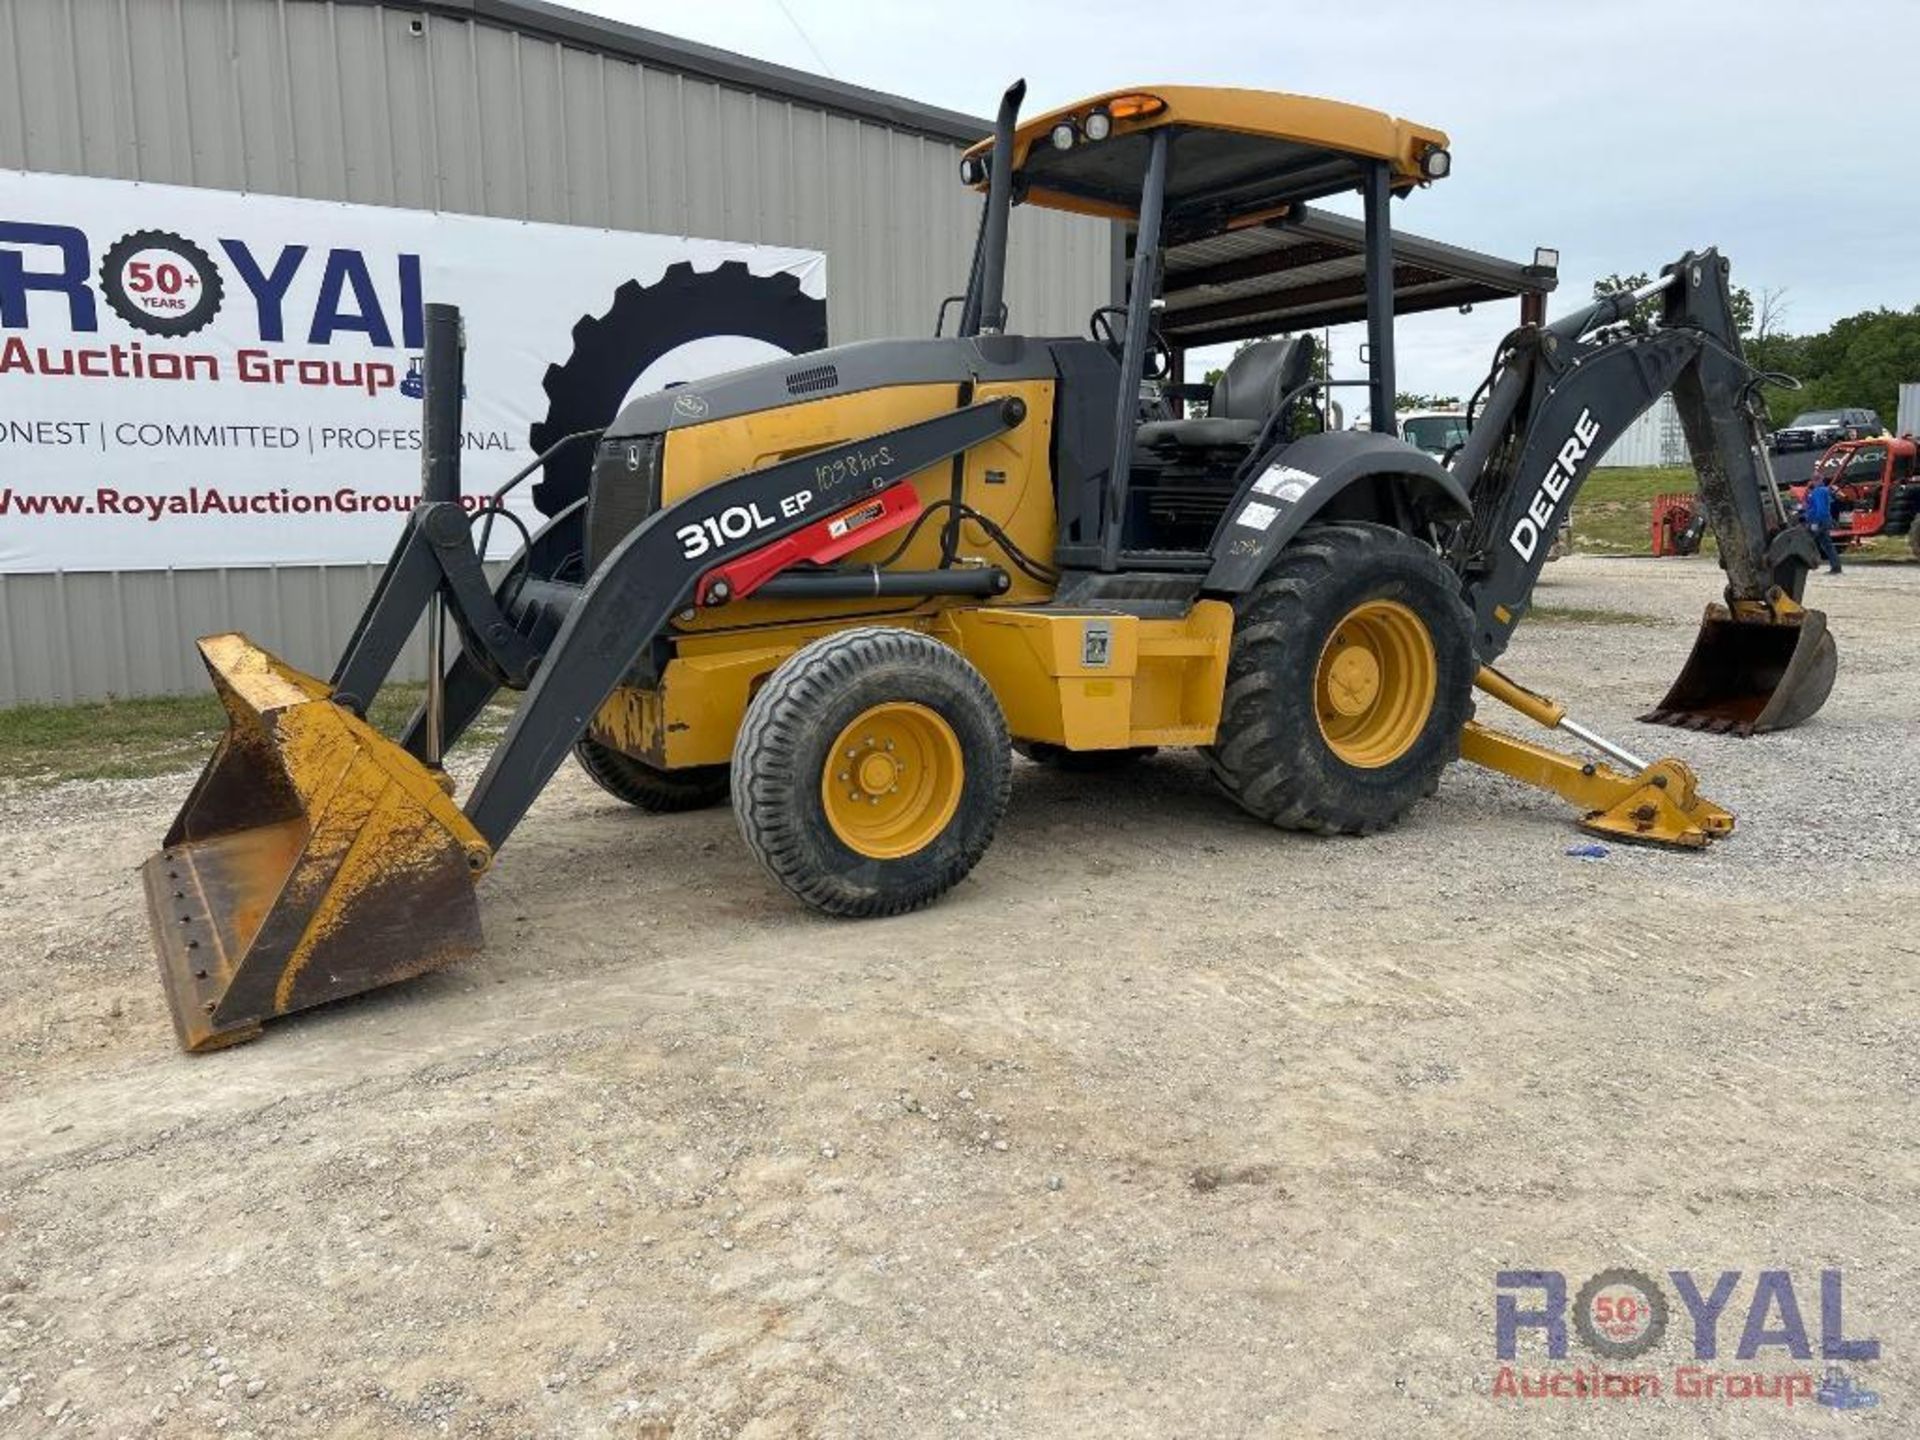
1246 394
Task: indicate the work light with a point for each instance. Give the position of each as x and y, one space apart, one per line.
1063 135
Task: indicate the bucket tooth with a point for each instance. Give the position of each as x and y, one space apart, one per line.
1750 673
314 859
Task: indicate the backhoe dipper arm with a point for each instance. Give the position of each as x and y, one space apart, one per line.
1564 395
1763 552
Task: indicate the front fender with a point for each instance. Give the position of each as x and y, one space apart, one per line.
1310 474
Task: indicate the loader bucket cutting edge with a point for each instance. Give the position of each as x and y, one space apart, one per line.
1746 676
314 859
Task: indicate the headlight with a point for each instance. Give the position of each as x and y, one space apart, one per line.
1099 125
1064 135
1436 164
973 170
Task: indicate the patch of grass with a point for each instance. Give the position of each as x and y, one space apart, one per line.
1614 513
1586 615
1881 550
131 739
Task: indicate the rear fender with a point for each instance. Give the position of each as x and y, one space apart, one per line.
1344 474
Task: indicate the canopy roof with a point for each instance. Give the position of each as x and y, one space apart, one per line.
1308 270
1232 154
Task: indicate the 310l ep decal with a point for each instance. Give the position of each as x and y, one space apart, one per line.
736 522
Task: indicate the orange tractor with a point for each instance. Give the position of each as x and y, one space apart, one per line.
1876 486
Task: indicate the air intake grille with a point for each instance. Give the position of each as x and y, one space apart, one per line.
810 382
625 491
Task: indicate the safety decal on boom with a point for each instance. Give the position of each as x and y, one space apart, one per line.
855 519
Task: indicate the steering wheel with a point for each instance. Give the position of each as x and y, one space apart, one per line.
1108 325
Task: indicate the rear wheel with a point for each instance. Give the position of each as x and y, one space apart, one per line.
658 792
1349 680
1902 507
871 771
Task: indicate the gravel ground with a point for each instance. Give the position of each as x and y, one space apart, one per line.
1162 1124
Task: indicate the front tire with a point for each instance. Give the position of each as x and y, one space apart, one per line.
871 771
1348 684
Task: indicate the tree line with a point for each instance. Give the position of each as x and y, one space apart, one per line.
1862 359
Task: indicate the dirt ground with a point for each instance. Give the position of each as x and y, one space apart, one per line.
1163 1124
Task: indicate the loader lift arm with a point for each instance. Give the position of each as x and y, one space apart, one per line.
1559 396
313 852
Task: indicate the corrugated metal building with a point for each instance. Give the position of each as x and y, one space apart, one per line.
493 107
1656 438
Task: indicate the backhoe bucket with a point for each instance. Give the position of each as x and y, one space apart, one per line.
315 858
1750 675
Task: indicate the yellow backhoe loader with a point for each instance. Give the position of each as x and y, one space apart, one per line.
841 588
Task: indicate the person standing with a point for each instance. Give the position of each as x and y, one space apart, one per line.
1817 513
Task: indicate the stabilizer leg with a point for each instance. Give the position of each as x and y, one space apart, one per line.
1657 803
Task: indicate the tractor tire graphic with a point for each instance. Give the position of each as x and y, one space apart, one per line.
148 295
611 351
1652 1328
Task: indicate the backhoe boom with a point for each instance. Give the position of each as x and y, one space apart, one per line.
1560 395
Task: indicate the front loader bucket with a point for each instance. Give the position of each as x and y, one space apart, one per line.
1750 675
315 858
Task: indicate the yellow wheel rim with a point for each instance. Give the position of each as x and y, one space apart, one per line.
1374 686
892 780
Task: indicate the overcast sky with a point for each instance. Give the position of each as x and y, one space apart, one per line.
1622 132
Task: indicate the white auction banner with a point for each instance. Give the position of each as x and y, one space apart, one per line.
194 378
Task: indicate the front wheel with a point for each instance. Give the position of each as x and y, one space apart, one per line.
1349 681
870 771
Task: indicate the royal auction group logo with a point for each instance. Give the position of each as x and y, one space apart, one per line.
161 283
1622 1316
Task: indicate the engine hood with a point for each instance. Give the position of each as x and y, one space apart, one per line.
838 370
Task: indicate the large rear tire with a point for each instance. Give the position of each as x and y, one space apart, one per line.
1348 684
871 771
658 792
